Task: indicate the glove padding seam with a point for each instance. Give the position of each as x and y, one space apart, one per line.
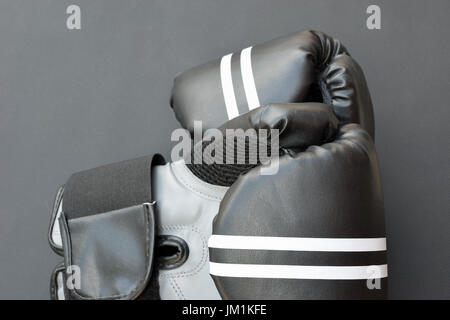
176 288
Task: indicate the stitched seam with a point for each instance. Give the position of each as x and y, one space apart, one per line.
177 289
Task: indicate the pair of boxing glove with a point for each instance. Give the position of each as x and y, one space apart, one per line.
308 223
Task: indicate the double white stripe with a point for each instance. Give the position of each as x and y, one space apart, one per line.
298 244
247 77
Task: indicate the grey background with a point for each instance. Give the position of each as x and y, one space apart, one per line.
72 100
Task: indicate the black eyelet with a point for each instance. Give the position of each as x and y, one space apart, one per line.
171 251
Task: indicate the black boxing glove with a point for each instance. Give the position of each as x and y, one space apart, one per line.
313 230
307 66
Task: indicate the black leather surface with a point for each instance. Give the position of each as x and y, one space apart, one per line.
327 191
113 250
308 258
346 91
289 289
285 70
300 124
338 182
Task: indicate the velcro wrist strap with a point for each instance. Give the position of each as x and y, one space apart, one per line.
108 231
